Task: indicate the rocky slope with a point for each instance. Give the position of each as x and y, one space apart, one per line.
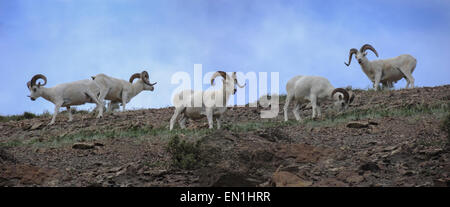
390 138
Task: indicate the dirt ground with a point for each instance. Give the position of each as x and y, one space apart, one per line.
399 143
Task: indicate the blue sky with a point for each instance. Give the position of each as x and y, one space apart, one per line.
69 40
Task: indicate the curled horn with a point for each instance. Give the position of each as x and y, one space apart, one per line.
352 51
221 73
134 76
146 78
29 84
368 47
236 81
343 91
37 77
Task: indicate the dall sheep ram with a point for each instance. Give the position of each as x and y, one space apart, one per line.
121 91
387 71
213 102
66 94
314 89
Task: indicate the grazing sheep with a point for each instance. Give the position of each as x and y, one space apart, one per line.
121 91
314 89
66 94
213 101
387 71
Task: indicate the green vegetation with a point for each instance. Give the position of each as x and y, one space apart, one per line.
12 143
185 155
25 115
90 135
148 133
379 112
139 133
446 126
331 119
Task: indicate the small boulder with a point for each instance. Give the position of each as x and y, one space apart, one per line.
83 146
357 124
36 125
287 179
355 179
370 166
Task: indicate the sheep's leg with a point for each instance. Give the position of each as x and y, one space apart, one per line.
70 113
286 106
98 102
376 84
124 100
297 111
409 79
123 106
109 108
174 117
57 106
218 119
209 116
385 86
182 121
314 106
318 110
101 98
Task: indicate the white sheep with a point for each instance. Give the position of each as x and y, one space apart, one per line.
121 91
66 94
213 102
314 89
387 71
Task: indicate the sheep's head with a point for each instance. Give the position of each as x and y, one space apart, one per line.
145 80
34 87
342 98
360 54
229 82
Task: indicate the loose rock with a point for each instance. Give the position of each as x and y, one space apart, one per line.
287 179
357 125
83 146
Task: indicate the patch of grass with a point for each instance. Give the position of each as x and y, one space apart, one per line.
379 112
137 133
157 164
28 115
446 126
76 111
185 154
25 115
352 115
12 143
252 126
431 143
144 133
46 113
89 135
